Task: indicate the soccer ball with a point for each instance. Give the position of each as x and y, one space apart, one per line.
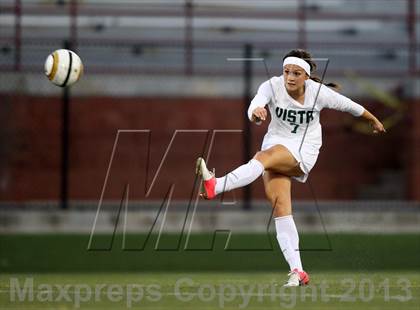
63 67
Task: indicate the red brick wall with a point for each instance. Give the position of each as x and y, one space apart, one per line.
31 168
412 139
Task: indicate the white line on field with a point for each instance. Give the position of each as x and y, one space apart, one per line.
337 296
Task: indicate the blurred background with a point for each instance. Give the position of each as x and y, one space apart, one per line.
165 82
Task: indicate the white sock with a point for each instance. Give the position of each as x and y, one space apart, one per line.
288 239
240 177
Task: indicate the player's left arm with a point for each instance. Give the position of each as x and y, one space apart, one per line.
377 126
333 100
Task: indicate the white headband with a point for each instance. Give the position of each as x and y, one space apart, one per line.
299 62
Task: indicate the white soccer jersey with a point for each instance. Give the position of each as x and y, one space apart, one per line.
291 119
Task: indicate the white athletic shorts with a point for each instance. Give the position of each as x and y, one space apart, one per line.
306 157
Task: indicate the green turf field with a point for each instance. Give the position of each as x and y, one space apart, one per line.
57 271
338 290
62 253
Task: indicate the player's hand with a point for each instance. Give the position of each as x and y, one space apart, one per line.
259 115
377 126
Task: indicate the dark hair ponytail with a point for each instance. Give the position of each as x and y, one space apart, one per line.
305 55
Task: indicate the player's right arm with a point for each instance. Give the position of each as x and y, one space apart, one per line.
256 110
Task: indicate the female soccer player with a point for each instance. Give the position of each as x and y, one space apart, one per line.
290 147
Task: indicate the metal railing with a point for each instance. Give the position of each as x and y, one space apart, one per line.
188 14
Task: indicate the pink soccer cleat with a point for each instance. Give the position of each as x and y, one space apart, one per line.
297 278
208 188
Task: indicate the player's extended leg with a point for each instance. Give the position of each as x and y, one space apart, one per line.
277 158
278 190
239 177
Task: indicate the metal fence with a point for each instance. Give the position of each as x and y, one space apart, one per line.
375 38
